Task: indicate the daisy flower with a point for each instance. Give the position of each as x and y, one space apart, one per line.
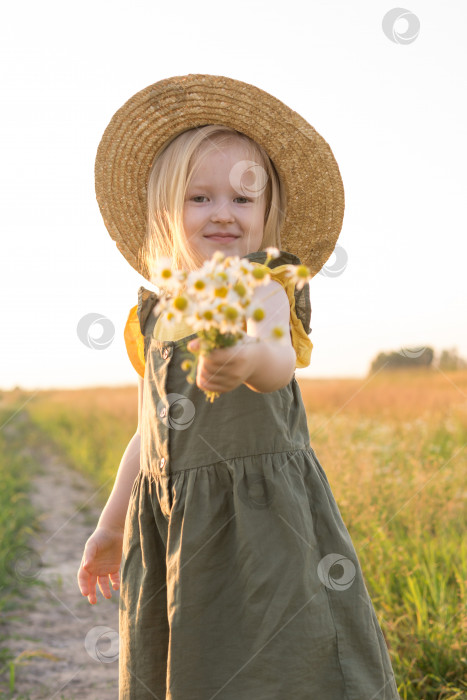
300 274
215 300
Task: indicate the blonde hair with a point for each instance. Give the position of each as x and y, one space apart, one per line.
169 177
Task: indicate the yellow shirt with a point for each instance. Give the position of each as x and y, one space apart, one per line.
134 339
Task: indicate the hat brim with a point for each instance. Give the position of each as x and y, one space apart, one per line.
160 112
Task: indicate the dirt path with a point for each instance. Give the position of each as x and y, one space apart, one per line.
69 648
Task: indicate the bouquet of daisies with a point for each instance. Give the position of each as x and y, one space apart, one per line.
216 301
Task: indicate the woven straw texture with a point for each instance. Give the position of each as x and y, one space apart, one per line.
160 112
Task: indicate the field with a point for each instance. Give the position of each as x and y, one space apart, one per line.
393 448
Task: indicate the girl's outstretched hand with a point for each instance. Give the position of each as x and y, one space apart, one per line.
101 561
224 369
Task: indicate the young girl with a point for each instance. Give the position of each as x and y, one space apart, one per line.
239 579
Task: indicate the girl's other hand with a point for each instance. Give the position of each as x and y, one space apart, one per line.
101 560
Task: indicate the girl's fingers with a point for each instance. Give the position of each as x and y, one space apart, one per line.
82 581
87 584
210 372
104 586
89 554
92 590
115 580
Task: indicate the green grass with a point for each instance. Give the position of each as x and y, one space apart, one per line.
88 440
18 562
400 488
395 458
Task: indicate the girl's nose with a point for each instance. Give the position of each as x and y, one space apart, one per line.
222 213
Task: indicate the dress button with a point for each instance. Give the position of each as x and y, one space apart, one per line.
165 353
163 412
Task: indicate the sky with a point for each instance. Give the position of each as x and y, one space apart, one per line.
385 87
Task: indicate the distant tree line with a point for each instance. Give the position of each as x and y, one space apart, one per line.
414 357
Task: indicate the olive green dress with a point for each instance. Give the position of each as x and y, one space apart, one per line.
239 579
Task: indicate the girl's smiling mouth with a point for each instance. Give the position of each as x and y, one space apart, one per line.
224 237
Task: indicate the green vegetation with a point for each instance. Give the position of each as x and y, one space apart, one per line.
393 449
398 476
90 428
19 563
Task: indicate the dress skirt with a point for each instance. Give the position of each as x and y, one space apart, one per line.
239 579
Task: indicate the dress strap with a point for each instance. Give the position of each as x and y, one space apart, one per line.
146 302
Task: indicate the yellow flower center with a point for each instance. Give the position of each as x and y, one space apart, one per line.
231 313
180 303
259 273
240 289
258 315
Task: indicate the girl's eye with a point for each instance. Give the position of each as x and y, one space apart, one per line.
202 196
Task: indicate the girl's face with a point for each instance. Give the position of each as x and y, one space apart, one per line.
214 203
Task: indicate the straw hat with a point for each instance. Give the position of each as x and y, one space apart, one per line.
160 112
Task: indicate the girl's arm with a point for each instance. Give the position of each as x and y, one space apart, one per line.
114 513
275 366
274 361
103 550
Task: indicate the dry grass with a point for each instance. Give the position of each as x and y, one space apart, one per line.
393 448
